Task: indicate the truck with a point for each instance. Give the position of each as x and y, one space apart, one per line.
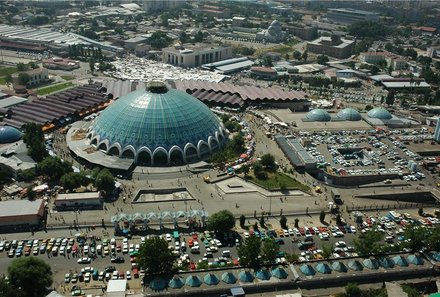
336 196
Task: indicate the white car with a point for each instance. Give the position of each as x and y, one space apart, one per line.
84 260
128 275
340 244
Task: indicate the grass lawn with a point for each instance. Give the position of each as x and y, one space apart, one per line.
67 77
7 70
2 80
276 180
54 88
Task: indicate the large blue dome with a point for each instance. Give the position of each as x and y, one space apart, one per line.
379 113
349 114
9 134
158 122
318 115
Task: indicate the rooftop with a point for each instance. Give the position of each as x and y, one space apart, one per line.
11 208
78 196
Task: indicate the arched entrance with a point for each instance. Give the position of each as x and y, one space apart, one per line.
160 159
176 158
102 147
191 155
144 158
114 151
127 154
204 151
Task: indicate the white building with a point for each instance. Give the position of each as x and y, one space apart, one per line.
189 55
87 200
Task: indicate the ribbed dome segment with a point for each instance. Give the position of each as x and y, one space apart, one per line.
379 113
349 114
318 115
9 134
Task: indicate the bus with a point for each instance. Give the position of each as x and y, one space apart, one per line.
176 235
336 196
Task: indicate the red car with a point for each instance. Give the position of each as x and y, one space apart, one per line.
192 266
190 242
195 236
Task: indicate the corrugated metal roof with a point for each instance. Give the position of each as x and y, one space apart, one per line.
11 208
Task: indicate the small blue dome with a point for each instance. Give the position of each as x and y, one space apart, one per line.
379 113
9 134
318 115
349 114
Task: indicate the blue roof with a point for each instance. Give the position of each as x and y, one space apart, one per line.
146 119
379 113
318 115
349 114
9 134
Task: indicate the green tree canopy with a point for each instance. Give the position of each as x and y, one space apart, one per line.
369 243
155 256
368 29
418 237
269 251
268 161
53 168
23 78
249 252
105 181
322 59
31 274
7 290
222 221
283 222
159 40
73 180
352 290
34 138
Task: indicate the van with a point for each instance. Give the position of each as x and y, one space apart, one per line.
226 253
308 237
195 250
183 246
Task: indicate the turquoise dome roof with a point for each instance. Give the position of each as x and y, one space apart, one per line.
379 113
318 115
349 114
9 134
155 119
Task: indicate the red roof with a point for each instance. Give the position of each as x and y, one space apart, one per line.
263 69
427 29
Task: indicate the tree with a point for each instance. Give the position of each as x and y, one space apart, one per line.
322 216
21 67
198 37
23 78
352 290
283 222
322 59
73 180
31 275
245 169
33 65
249 252
8 80
327 251
297 55
155 256
30 193
338 219
421 212
268 161
7 290
417 235
34 138
259 171
368 29
369 243
92 65
269 251
390 98
296 223
434 239
159 40
222 221
242 221
53 168
305 55
262 222
105 181
256 226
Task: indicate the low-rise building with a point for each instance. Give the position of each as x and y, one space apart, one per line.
350 16
131 43
18 215
87 200
61 64
37 76
305 32
333 46
266 73
396 61
194 55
